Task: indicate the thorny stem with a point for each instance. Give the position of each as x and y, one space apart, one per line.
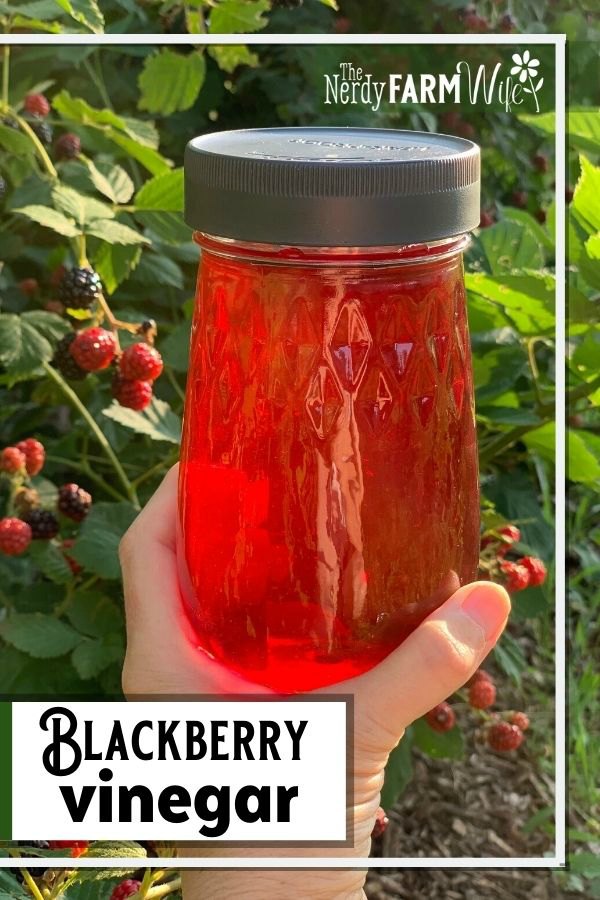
100 437
41 150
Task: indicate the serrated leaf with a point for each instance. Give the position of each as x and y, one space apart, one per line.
97 544
84 210
94 614
91 657
167 226
111 849
85 12
175 349
229 56
115 262
111 180
170 82
528 299
49 324
115 232
22 347
51 562
38 635
583 455
15 141
158 421
445 745
510 245
155 268
585 197
163 192
510 657
238 16
50 218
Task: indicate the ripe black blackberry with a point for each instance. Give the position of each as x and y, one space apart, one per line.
64 362
74 502
42 130
43 524
80 287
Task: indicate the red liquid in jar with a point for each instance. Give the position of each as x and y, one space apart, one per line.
328 488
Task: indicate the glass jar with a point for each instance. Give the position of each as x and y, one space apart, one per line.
328 494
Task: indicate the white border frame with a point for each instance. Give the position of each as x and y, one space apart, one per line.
559 858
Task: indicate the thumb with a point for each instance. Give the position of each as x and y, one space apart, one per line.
431 664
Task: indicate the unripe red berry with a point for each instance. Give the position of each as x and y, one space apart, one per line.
441 718
93 349
482 694
36 105
68 146
503 737
519 199
15 536
505 537
486 219
12 460
381 823
35 455
480 675
520 719
540 162
541 215
28 286
125 889
132 394
77 847
516 577
536 568
140 362
507 24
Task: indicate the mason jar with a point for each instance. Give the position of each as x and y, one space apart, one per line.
328 493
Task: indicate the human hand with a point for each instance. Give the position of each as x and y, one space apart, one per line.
162 658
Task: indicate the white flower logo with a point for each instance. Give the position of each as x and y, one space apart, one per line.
527 69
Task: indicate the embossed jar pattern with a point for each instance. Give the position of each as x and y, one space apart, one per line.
328 489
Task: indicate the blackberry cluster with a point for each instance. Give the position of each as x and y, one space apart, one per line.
74 502
80 287
43 524
64 362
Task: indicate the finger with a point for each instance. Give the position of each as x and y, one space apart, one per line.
433 662
162 649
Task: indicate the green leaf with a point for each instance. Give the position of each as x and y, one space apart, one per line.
15 141
50 218
510 657
22 347
10 887
170 82
86 12
522 217
585 197
583 457
94 614
543 441
583 127
398 771
510 245
586 864
85 210
110 849
111 180
115 232
238 16
167 226
51 562
97 545
163 192
229 56
49 324
527 299
446 745
175 349
158 421
93 656
115 262
155 268
38 635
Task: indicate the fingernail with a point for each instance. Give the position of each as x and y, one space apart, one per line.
488 607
